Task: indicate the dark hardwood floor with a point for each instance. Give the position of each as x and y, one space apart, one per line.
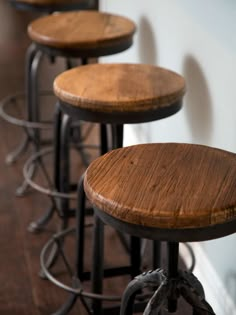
22 291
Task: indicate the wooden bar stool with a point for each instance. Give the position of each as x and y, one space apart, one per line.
170 192
75 34
111 95
32 64
38 6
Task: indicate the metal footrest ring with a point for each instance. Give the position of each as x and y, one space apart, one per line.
71 289
47 191
22 122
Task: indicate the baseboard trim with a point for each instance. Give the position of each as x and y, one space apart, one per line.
216 293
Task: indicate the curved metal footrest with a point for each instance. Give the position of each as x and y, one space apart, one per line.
47 191
28 127
78 290
22 189
50 191
11 100
54 253
64 310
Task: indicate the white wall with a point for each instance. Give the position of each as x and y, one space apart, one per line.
196 39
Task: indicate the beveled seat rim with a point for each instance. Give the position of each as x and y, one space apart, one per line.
172 198
78 42
172 234
108 94
122 117
92 51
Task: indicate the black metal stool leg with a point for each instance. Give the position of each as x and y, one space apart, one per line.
65 164
156 254
57 145
80 223
56 174
173 261
13 156
103 139
117 136
61 171
37 225
135 253
79 264
33 108
97 268
63 178
31 53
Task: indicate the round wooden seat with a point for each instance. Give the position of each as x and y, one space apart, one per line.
129 92
181 188
88 32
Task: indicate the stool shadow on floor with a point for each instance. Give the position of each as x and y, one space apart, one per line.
198 109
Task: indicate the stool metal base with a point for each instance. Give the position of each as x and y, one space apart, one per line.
96 296
76 289
185 285
29 127
169 287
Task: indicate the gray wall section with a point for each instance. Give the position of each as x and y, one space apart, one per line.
222 255
196 39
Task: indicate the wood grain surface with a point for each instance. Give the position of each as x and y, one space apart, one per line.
81 29
119 87
165 185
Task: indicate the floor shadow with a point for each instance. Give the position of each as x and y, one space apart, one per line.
146 40
198 106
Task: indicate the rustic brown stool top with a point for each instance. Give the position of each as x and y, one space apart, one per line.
80 30
122 89
167 186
